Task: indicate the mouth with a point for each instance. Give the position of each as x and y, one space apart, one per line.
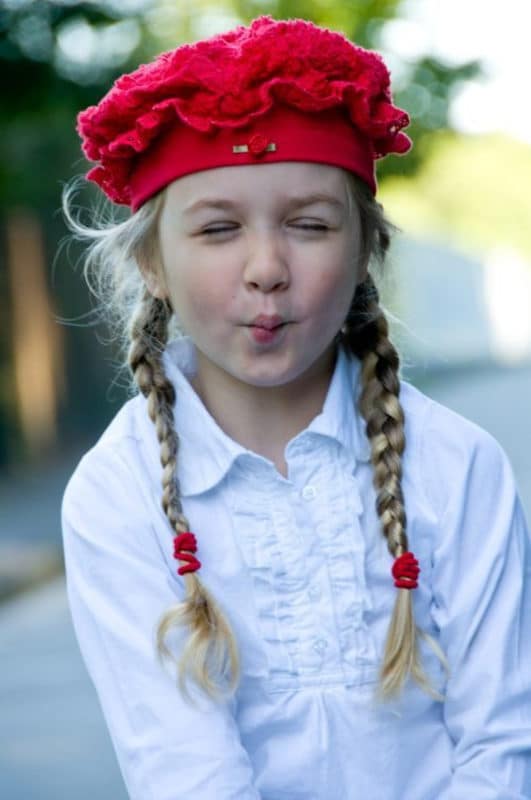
267 330
267 323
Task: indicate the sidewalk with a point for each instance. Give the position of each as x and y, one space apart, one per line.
30 526
54 740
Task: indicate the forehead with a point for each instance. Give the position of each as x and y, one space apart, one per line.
249 182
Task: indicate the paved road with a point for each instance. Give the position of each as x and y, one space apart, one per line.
54 744
53 740
30 534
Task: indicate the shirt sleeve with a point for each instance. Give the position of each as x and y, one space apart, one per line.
482 607
118 586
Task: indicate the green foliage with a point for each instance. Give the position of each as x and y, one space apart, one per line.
474 189
44 90
358 19
425 93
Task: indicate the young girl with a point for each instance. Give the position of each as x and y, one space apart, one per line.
335 562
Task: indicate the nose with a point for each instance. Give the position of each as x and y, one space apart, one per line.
266 267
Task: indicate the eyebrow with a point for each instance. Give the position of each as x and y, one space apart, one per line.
296 201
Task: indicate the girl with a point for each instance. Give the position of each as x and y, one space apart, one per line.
345 592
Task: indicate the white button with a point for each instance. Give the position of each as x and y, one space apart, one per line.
314 591
320 646
309 492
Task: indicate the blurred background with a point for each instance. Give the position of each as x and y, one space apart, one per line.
457 288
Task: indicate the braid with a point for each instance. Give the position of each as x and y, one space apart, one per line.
383 414
210 653
367 335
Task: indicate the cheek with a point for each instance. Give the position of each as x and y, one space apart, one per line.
199 295
332 291
344 278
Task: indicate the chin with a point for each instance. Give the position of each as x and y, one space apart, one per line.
263 379
269 377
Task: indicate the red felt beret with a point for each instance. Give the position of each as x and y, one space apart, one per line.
272 91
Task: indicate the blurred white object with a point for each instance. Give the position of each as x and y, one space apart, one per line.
508 301
452 309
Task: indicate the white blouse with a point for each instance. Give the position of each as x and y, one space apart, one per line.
302 571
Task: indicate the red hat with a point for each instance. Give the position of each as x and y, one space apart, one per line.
272 91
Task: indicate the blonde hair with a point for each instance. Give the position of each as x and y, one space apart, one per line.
143 324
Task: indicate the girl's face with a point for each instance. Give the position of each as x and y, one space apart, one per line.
260 264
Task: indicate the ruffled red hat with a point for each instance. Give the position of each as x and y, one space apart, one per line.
272 91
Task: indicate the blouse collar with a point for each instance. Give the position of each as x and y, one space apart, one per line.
206 453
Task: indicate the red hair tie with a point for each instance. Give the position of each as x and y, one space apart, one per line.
405 571
186 541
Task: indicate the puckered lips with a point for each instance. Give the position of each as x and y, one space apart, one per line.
266 329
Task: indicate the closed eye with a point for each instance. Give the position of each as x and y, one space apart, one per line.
219 229
312 227
300 226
